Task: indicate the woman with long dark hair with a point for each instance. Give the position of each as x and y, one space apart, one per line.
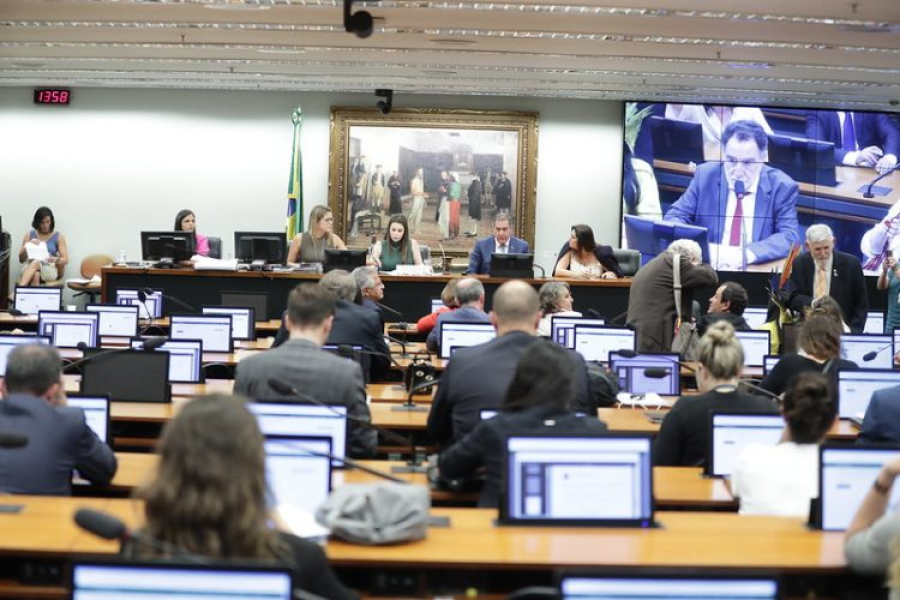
397 248
585 259
186 221
43 231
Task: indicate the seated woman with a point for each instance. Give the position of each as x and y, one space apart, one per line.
43 231
448 297
819 346
781 480
539 399
556 299
309 246
185 221
209 496
829 306
683 438
583 258
397 248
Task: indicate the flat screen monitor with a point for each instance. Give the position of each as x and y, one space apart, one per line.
756 346
666 584
651 236
117 320
127 376
268 246
142 579
96 413
298 470
32 300
9 341
69 329
562 329
856 386
258 301
512 265
214 330
875 322
676 141
352 352
633 379
343 259
595 342
756 316
243 320
167 245
462 334
577 480
436 304
846 474
769 362
298 418
150 308
855 347
803 160
731 431
185 359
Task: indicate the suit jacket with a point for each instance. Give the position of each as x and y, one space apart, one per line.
848 287
463 313
314 372
871 130
651 301
478 377
604 256
59 440
480 258
775 214
882 420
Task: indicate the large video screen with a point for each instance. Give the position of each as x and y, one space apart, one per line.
746 182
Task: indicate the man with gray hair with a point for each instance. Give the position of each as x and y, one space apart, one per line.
370 286
477 378
651 301
470 299
58 437
824 271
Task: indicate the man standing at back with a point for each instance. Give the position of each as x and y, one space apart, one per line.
301 363
58 437
502 242
477 378
470 298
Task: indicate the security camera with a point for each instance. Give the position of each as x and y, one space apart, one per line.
360 22
385 105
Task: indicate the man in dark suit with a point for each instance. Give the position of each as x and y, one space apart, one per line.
727 304
477 378
825 271
860 139
502 242
470 299
882 420
59 439
301 363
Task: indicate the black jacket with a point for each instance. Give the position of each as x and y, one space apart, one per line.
848 287
604 255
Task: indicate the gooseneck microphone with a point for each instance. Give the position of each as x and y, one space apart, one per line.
149 345
656 372
348 351
108 527
660 373
144 292
870 356
868 193
353 464
12 440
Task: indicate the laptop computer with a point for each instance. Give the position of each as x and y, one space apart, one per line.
769 362
298 470
595 342
856 386
562 329
243 320
846 473
9 341
855 347
68 329
631 372
756 346
287 417
731 431
96 413
214 330
185 359
874 322
463 334
32 300
116 320
756 316
150 308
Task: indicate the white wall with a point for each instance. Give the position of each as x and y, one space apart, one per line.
118 161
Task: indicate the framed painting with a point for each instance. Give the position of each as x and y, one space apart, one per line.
448 172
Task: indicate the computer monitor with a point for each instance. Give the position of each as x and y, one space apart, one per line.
874 322
846 474
214 330
803 160
127 579
127 376
631 371
562 329
96 413
150 308
286 417
595 342
185 359
756 346
118 320
343 259
352 352
258 301
666 584
68 329
436 304
167 245
32 300
463 334
268 246
756 316
298 470
856 346
731 431
856 386
577 480
243 320
8 342
769 362
651 237
676 141
512 265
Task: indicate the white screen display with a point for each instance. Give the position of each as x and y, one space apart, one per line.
296 477
855 347
285 418
464 335
96 413
436 304
116 320
632 375
214 330
243 324
9 342
732 433
755 317
756 346
874 322
562 329
667 588
855 389
68 329
847 475
32 300
185 359
595 343
151 308
769 362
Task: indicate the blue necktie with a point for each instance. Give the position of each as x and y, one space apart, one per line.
849 133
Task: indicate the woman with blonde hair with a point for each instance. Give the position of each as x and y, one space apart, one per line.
309 246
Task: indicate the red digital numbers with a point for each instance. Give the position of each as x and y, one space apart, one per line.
52 96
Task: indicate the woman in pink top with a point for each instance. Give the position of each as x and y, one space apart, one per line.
185 221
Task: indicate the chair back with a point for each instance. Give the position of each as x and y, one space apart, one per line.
425 251
629 260
215 246
93 264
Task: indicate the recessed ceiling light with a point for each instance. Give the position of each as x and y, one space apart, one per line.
452 42
280 51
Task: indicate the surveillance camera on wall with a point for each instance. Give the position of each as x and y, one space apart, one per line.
385 105
360 22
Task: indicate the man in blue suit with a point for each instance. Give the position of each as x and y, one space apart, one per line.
882 421
59 439
502 242
860 139
748 207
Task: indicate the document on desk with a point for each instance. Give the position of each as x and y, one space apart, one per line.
205 263
37 251
301 522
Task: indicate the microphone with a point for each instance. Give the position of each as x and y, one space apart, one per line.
659 373
870 356
543 271
347 351
445 264
868 193
12 440
394 340
615 320
740 189
149 344
393 311
413 464
15 312
108 527
144 292
353 464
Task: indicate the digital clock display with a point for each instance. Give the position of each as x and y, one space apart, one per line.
52 96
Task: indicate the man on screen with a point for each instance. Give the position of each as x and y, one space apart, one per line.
860 139
748 207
